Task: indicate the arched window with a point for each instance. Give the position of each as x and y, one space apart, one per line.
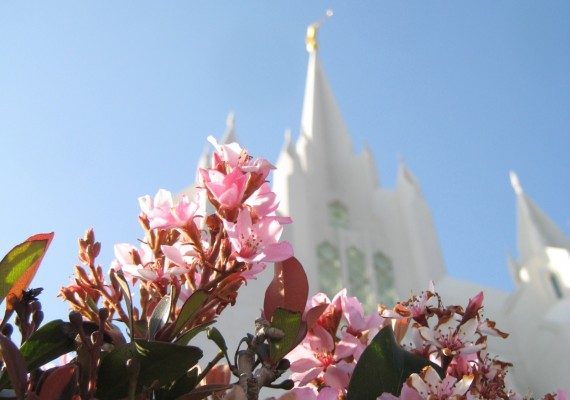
359 281
556 286
338 215
330 276
384 277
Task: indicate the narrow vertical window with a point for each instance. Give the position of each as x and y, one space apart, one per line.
384 277
359 281
330 276
556 286
338 215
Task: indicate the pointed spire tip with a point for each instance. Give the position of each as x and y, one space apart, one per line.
231 120
515 183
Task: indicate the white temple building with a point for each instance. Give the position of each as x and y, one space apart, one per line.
381 243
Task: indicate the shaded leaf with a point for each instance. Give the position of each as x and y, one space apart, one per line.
19 266
159 316
183 385
15 364
204 391
159 361
384 367
288 290
189 310
59 383
51 341
290 323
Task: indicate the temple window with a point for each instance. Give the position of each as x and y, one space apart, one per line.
338 215
384 278
330 275
359 282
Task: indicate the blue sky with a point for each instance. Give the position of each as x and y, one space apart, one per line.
102 102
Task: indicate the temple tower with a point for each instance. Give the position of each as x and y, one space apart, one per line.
381 243
348 231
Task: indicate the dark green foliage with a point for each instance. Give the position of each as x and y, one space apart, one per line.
384 367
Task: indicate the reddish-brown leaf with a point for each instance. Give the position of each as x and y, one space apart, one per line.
15 364
58 383
289 288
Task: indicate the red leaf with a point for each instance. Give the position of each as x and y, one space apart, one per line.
289 288
58 382
15 364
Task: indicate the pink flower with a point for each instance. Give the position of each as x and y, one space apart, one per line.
315 359
561 395
418 308
128 255
251 273
232 154
228 189
163 199
162 215
263 201
254 243
260 168
428 385
173 266
452 338
303 393
354 314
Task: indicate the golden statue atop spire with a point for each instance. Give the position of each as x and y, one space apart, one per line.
311 39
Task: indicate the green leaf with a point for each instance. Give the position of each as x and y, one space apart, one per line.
384 367
215 336
189 310
187 336
159 316
159 361
290 323
19 266
127 295
51 341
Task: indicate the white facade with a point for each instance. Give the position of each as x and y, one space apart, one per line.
381 244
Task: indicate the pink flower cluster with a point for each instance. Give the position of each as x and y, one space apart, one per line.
188 249
323 362
456 340
453 338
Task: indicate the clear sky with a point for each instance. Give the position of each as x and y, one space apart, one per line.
102 102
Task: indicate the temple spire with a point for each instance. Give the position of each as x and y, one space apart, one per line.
536 230
311 39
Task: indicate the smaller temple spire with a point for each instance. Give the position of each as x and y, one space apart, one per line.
311 39
536 230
